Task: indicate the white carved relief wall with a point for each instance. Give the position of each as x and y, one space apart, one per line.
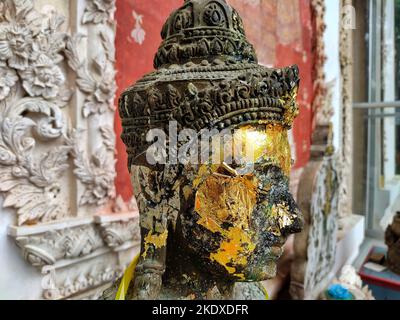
318 198
338 84
318 193
346 111
57 155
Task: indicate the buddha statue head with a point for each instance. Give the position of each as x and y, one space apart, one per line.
209 157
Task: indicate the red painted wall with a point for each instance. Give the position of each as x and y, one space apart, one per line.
135 60
280 30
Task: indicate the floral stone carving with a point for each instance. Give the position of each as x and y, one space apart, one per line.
55 245
96 173
32 50
99 11
52 92
119 232
99 86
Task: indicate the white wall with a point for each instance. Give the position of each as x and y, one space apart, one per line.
18 279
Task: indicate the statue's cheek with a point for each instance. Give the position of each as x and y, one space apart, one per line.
234 252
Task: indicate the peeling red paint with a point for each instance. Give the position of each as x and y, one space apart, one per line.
134 60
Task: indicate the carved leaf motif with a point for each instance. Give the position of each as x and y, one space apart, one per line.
108 46
22 8
51 41
108 135
6 157
30 180
83 170
13 131
85 83
51 167
71 51
30 186
9 79
99 11
118 232
32 204
8 181
97 173
99 85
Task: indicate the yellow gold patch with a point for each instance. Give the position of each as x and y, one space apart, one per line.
269 142
224 199
224 196
158 240
234 250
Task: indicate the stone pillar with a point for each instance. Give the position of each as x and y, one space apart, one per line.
57 142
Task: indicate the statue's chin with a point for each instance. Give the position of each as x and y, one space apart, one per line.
269 270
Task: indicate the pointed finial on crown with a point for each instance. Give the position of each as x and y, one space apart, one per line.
203 29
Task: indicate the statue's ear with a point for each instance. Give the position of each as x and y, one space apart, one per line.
147 283
159 204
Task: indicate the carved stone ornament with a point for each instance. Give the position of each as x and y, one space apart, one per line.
51 246
206 77
346 89
57 157
325 177
96 277
318 9
209 230
315 247
77 247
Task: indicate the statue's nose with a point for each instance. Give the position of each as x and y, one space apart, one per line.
297 225
296 217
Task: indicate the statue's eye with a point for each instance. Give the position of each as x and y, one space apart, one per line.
226 170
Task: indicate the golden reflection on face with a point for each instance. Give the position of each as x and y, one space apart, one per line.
251 144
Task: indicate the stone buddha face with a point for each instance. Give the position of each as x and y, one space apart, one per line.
236 215
230 214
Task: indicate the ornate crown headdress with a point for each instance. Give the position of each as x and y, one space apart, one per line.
206 76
